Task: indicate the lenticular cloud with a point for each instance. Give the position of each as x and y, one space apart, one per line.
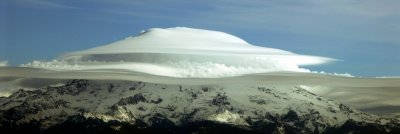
182 52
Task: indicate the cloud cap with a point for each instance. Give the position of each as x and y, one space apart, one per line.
189 52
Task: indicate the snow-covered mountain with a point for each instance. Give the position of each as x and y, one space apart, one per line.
192 81
83 106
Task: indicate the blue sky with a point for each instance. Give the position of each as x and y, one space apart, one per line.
363 34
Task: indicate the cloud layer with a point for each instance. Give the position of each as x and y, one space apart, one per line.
183 52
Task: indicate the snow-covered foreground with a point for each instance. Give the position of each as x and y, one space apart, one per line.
98 105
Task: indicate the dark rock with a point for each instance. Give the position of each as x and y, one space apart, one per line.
159 100
205 89
220 100
110 88
132 99
291 116
171 107
344 108
142 108
159 121
257 101
73 88
78 83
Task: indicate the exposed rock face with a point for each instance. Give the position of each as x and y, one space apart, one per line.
83 106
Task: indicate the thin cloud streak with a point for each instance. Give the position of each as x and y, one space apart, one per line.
45 3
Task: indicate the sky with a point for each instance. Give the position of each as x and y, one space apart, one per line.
364 35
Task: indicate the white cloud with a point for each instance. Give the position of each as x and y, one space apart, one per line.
183 52
3 63
54 64
335 74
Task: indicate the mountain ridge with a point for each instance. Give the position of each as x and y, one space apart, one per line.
122 106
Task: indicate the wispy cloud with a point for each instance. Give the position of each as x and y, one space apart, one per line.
343 19
46 3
